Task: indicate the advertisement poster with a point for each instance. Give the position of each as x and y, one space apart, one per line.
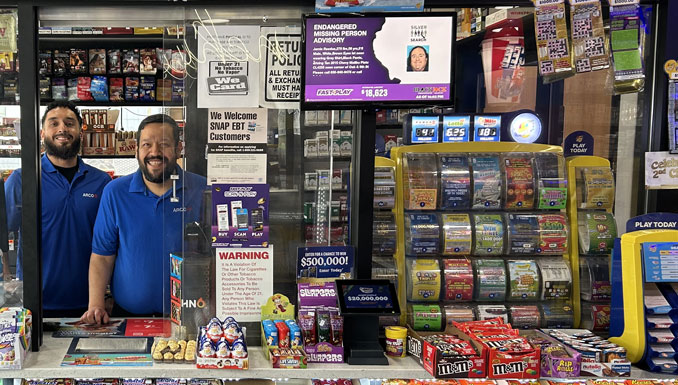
281 74
228 66
236 145
661 170
325 6
240 215
327 263
244 282
378 59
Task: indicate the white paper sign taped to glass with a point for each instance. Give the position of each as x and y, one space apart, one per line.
244 282
281 75
228 66
236 163
243 125
236 145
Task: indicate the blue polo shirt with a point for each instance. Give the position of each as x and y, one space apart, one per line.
141 229
68 214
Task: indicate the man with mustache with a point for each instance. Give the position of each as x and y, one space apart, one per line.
139 223
71 191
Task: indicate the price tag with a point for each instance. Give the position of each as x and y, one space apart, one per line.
425 129
456 128
487 128
325 262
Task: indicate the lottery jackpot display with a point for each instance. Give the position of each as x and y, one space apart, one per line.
482 234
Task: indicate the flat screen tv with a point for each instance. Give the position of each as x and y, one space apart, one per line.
358 61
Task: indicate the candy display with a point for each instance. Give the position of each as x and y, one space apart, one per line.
396 339
173 351
319 331
599 357
447 355
221 345
15 331
508 354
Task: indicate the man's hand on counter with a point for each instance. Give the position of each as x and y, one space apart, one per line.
95 315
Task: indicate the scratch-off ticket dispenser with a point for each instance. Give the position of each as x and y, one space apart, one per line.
644 314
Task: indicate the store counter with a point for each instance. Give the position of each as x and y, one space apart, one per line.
47 364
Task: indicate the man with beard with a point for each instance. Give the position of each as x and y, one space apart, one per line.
71 191
139 223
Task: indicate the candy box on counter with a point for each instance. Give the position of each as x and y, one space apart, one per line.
15 336
557 360
221 345
439 362
292 358
508 355
599 357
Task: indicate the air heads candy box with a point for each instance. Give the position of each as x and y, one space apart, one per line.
449 355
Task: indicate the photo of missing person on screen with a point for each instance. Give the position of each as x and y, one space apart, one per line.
417 58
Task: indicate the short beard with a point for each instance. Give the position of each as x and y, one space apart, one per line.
166 172
66 152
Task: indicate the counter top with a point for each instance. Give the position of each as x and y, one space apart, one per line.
46 364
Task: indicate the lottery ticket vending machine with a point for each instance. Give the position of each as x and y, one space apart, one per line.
645 291
481 233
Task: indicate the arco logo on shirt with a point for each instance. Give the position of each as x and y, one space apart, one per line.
90 195
182 209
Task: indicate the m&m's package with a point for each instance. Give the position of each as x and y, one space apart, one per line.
508 354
